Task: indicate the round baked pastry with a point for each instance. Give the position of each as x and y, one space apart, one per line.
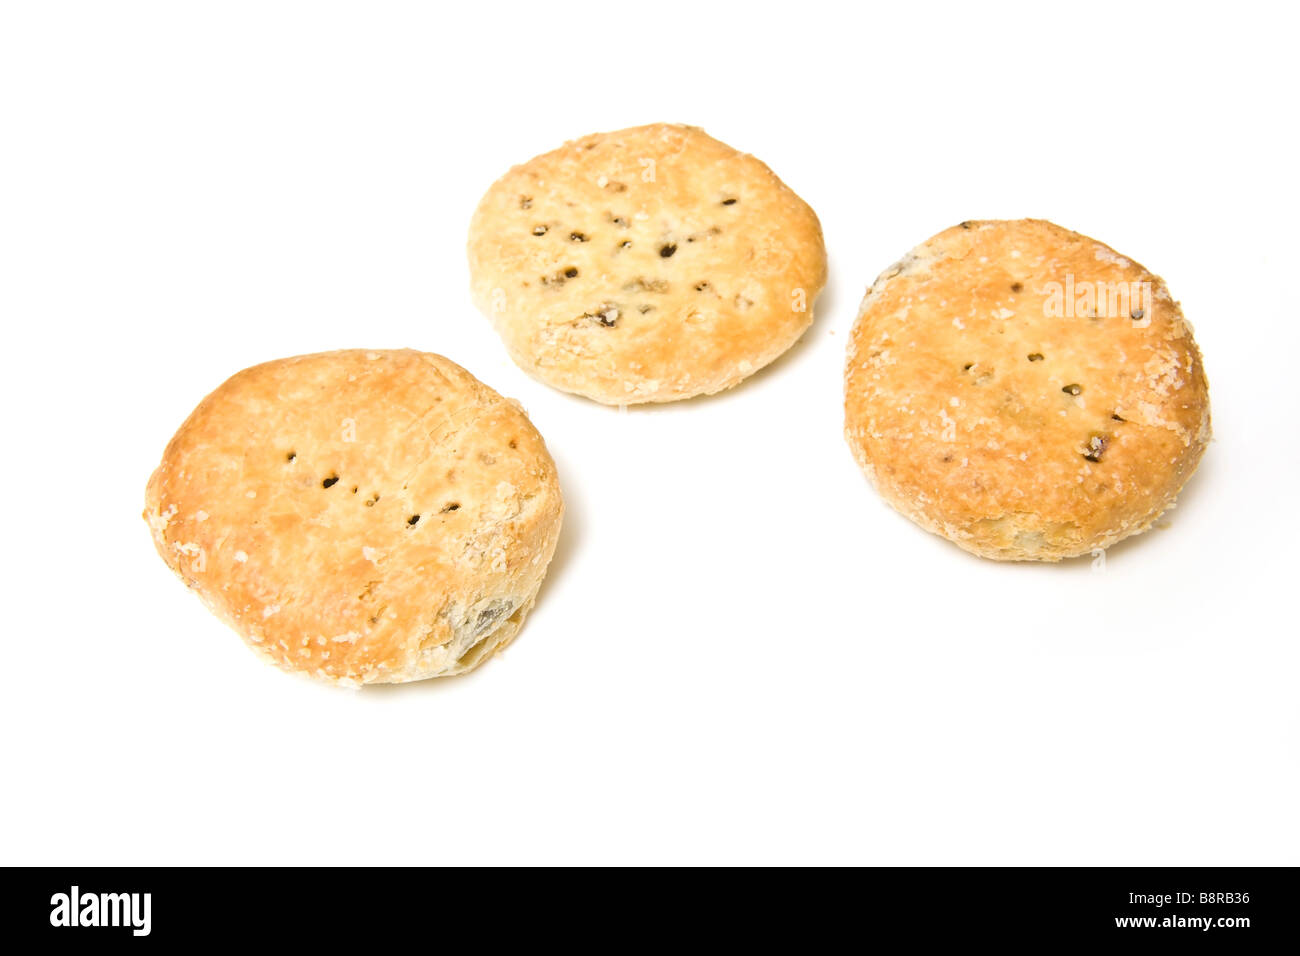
647 265
1024 391
361 516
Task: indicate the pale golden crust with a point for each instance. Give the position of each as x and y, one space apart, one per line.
990 402
286 501
646 265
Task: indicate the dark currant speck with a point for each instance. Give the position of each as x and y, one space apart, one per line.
1096 447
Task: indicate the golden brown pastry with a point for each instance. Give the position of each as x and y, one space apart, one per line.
647 265
1024 391
360 516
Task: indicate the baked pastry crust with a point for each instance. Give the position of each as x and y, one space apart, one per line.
360 516
990 401
645 265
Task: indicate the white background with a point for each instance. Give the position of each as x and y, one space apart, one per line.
741 654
